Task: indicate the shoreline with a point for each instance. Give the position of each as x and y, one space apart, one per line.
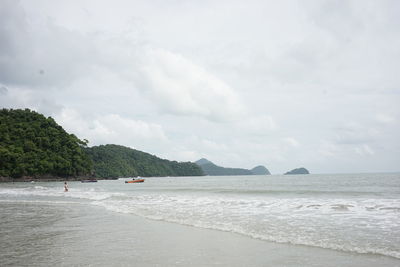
157 243
132 226
28 179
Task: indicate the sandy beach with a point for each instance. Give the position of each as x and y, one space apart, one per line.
74 234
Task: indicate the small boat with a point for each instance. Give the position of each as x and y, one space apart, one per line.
135 181
89 181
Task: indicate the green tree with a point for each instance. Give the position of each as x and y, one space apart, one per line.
119 161
33 145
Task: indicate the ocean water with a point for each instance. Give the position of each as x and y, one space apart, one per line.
352 213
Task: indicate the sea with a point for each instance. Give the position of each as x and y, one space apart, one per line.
346 216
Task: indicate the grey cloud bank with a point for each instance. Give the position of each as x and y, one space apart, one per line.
282 84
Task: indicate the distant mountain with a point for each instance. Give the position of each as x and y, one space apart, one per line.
298 171
210 168
202 161
260 170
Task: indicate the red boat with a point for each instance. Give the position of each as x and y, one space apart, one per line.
135 181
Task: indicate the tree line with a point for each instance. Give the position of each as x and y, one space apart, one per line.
119 161
33 145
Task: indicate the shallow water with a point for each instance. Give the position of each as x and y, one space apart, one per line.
350 213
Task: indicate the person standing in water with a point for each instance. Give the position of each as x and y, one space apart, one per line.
65 186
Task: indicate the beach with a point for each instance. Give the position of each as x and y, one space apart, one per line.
79 235
99 225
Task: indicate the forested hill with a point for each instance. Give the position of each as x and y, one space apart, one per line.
210 168
33 145
120 161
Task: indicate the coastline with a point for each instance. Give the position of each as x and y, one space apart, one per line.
184 222
25 179
126 239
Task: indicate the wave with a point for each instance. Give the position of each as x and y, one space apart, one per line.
332 224
299 192
77 193
271 192
36 201
277 236
361 225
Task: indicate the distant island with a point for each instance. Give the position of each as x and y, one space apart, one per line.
35 147
260 170
298 171
209 168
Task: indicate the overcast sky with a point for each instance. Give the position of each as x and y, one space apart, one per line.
283 84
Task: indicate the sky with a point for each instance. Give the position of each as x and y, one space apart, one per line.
284 84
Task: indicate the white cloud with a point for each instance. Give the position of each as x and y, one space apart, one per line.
257 125
355 133
279 83
290 141
20 97
385 118
3 90
113 129
364 150
37 53
327 149
181 87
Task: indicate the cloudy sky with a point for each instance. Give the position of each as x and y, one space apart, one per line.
283 84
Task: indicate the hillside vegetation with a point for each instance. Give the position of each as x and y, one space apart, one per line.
210 168
120 161
33 145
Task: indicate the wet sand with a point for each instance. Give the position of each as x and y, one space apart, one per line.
72 234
